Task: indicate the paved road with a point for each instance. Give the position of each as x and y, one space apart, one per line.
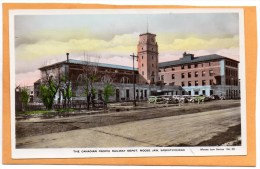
183 129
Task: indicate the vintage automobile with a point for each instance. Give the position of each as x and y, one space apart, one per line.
215 97
169 99
201 98
155 99
185 99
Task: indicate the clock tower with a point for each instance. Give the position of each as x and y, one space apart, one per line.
147 50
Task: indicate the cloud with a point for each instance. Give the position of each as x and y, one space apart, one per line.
46 47
199 43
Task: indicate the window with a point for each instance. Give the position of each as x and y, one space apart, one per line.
196 83
182 84
189 74
195 65
127 94
189 83
152 73
173 69
142 65
125 80
211 82
196 74
142 57
162 77
203 73
211 73
182 75
173 76
203 82
189 92
182 66
203 92
189 66
142 72
202 65
209 64
152 65
196 92
152 57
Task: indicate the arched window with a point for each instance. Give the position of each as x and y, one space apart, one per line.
106 79
124 80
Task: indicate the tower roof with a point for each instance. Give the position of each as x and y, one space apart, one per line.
147 34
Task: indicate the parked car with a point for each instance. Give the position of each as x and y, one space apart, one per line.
200 98
185 99
155 99
169 99
222 97
176 98
214 97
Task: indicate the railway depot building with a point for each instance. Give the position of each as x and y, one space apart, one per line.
190 75
203 75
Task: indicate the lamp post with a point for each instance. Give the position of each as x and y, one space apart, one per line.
134 56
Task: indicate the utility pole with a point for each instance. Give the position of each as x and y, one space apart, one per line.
134 56
231 88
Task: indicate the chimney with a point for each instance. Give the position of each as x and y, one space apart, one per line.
188 56
67 57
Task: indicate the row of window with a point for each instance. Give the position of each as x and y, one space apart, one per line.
143 57
196 83
196 74
189 66
231 72
233 82
151 74
233 64
143 65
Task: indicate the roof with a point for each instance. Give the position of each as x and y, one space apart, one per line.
194 60
147 33
80 62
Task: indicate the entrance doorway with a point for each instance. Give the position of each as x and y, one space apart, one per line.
117 95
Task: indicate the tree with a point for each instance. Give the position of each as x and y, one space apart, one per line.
24 97
48 93
66 91
88 77
48 90
109 91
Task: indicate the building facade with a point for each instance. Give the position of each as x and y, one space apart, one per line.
203 75
147 50
190 75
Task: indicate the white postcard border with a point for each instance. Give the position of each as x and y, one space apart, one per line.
128 152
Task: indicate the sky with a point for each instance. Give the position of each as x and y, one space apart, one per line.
110 38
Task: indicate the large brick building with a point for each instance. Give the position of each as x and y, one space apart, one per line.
207 75
190 75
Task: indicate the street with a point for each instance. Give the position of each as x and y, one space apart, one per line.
184 129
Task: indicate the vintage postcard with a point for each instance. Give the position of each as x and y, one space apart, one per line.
127 83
